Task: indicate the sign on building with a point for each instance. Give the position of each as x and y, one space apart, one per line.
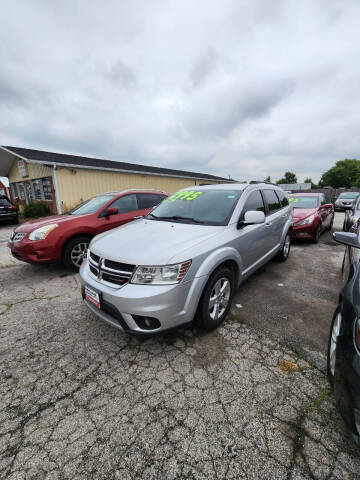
22 168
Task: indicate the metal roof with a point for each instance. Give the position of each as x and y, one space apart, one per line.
76 161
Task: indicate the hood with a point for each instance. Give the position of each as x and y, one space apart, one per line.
300 213
150 242
40 222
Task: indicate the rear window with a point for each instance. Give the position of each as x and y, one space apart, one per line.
4 202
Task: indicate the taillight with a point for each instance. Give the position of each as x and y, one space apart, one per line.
11 208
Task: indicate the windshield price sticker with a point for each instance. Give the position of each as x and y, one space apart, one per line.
184 195
292 199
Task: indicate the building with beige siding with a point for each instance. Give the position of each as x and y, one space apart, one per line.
63 181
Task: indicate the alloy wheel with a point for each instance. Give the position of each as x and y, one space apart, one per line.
333 343
287 246
219 298
78 253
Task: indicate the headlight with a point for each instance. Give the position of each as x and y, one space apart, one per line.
307 220
160 275
42 232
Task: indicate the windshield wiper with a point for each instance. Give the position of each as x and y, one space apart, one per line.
178 217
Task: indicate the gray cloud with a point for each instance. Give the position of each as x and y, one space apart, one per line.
246 89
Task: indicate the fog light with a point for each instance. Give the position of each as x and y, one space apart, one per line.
146 323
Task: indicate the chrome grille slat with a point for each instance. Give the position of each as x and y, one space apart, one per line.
100 269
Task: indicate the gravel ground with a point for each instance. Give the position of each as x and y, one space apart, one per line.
80 400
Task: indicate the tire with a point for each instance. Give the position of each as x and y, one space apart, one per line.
317 234
332 223
15 221
209 317
283 254
332 343
74 252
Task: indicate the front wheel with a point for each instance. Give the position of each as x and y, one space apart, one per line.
332 345
215 301
284 252
317 234
332 223
75 252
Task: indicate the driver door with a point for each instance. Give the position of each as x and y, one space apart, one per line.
252 241
127 206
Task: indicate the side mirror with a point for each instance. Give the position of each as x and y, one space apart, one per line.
252 217
110 211
327 205
347 238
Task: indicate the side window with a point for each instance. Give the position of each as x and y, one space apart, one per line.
128 203
149 200
283 199
253 202
272 200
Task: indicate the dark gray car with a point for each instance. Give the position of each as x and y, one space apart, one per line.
183 262
352 217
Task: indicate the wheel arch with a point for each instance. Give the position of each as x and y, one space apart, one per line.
72 237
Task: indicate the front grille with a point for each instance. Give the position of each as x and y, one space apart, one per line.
16 237
110 272
119 266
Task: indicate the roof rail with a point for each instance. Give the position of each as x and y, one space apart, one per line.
261 181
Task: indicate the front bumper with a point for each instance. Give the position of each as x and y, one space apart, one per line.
343 206
304 231
172 305
34 252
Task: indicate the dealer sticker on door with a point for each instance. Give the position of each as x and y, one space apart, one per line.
92 296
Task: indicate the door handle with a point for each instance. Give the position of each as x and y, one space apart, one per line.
284 216
268 224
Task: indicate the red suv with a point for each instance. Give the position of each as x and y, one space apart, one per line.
65 238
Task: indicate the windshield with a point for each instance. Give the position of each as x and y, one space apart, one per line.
349 195
91 206
303 202
208 207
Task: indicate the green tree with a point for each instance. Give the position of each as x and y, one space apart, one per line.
289 177
345 173
268 179
313 185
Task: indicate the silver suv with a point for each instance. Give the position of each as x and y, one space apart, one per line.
183 262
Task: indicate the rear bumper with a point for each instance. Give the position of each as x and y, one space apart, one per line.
35 252
5 217
172 306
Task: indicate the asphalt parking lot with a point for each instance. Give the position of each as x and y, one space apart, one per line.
80 400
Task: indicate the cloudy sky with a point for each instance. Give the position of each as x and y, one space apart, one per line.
231 87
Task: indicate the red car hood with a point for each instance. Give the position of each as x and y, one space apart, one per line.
300 213
40 222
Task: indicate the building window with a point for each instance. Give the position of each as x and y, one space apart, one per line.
39 189
36 185
46 184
